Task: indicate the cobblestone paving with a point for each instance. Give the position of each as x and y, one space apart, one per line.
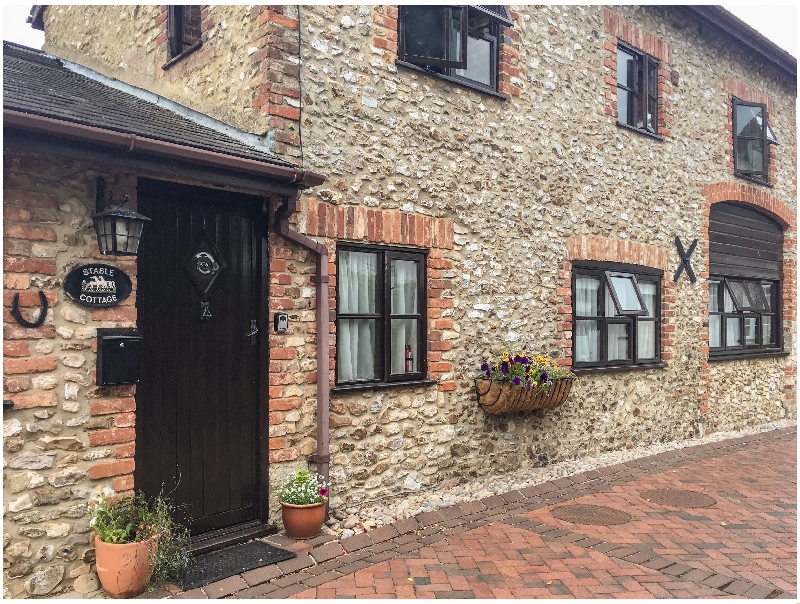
511 546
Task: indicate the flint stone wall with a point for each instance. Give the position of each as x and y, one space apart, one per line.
519 179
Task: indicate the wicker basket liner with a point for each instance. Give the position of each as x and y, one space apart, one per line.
506 398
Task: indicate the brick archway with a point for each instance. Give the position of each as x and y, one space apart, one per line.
731 191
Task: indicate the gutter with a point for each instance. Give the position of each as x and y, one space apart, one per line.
302 179
322 456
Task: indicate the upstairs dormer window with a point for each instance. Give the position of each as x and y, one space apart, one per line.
183 30
457 43
751 136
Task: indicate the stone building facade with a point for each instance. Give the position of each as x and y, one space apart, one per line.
507 192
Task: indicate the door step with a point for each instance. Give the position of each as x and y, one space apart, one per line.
231 535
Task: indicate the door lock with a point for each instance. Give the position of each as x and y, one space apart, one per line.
253 331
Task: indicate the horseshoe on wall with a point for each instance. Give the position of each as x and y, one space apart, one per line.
18 315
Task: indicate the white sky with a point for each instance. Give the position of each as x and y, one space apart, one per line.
778 22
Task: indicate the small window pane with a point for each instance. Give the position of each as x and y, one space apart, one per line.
356 348
739 295
766 330
426 32
586 290
648 291
771 135
646 339
767 287
618 342
652 113
479 61
714 331
587 341
641 95
727 301
610 306
733 331
404 357
652 79
358 273
625 289
756 295
713 296
404 287
750 155
750 330
749 121
623 101
626 64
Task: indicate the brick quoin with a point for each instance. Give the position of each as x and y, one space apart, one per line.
115 468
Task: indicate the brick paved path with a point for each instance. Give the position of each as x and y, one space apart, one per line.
511 546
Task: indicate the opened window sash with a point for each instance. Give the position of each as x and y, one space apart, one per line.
434 35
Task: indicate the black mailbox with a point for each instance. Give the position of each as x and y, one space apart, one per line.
118 356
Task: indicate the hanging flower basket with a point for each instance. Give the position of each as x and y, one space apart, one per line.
495 397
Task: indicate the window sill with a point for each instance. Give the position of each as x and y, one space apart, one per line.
750 354
755 180
615 368
183 55
638 131
380 386
441 76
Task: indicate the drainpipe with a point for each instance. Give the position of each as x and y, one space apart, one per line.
322 456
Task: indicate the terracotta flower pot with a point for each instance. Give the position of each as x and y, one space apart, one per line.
124 569
303 521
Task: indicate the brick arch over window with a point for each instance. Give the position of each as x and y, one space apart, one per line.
731 191
622 251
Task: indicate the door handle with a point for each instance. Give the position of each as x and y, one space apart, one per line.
253 331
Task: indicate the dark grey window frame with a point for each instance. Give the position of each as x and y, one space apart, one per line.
383 317
759 176
775 312
645 60
179 45
492 34
604 270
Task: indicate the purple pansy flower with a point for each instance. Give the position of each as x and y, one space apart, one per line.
485 367
504 368
544 375
516 381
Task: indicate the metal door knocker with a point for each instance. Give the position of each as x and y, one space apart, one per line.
685 255
18 315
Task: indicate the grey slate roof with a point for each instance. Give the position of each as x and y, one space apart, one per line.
37 83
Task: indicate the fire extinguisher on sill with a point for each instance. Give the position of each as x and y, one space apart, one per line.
409 359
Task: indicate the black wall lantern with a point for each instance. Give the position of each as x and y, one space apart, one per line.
118 230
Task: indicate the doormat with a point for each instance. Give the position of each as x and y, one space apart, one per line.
224 563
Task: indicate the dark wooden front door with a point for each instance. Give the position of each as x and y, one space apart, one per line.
198 413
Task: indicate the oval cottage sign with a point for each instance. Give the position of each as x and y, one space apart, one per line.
99 285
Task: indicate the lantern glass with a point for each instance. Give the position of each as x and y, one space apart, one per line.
119 231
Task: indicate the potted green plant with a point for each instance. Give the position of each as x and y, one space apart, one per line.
518 383
136 541
303 499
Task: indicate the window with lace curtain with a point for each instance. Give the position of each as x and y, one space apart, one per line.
381 318
616 315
